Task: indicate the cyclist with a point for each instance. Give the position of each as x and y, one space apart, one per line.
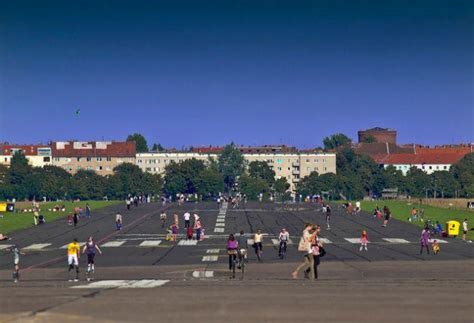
243 246
283 238
232 247
258 244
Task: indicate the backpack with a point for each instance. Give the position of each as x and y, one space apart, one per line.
303 245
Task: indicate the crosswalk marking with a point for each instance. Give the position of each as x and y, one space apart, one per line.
396 240
218 229
325 240
353 240
203 274
80 244
439 241
150 243
209 258
220 220
143 283
219 224
113 243
187 243
221 217
5 246
212 250
37 246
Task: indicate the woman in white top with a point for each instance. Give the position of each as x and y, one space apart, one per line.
309 235
257 242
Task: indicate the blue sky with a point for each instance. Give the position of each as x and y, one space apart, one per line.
209 72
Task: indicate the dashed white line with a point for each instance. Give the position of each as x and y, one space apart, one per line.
37 246
113 244
187 243
150 243
203 274
396 240
209 258
105 284
212 250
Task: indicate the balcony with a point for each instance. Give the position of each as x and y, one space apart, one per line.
296 180
295 172
295 164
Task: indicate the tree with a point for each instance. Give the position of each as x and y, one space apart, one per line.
209 182
261 170
130 179
419 182
182 177
336 140
140 142
54 182
444 183
463 172
281 185
87 185
157 147
253 186
20 176
231 165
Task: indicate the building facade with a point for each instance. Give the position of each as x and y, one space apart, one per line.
427 162
99 156
37 155
379 134
292 166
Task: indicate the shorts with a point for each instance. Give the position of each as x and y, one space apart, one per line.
465 231
90 259
72 260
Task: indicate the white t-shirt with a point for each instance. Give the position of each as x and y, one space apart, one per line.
464 226
358 205
258 238
187 216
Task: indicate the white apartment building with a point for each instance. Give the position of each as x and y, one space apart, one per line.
292 166
37 155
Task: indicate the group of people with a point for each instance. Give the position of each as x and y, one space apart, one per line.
173 229
312 249
385 213
74 253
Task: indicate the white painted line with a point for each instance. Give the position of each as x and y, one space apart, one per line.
218 229
144 283
80 244
212 250
209 258
353 240
37 246
150 243
187 242
220 220
221 216
113 244
203 274
439 241
220 224
324 240
5 246
396 240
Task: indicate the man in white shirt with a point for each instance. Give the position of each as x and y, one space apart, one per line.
464 230
187 222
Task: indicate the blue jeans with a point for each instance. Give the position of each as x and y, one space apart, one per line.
198 234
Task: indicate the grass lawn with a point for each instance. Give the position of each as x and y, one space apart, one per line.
16 221
401 210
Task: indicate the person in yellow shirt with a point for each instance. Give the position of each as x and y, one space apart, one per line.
73 252
435 247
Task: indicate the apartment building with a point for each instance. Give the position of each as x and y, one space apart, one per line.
292 166
37 155
99 156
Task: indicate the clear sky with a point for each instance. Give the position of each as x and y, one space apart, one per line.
199 72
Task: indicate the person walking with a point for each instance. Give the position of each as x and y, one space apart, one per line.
88 210
318 252
75 218
197 226
243 246
118 221
16 262
163 218
128 203
424 240
187 222
258 244
328 216
90 248
364 240
73 254
305 247
387 214
464 229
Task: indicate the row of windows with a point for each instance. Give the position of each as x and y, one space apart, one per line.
98 168
437 167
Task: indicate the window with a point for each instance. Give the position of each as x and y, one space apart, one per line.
437 167
445 167
315 160
78 158
56 159
46 159
107 168
307 160
325 169
431 167
279 168
288 168
88 159
6 159
139 161
99 168
109 158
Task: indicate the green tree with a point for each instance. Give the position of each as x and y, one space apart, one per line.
182 177
261 170
231 165
20 176
209 183
463 172
419 182
253 186
336 140
281 185
54 182
130 179
140 142
6 188
443 183
87 185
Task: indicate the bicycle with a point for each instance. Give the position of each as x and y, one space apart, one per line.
282 249
233 253
242 261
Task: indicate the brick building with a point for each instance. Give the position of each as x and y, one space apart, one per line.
379 134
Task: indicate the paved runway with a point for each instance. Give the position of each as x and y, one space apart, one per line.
139 258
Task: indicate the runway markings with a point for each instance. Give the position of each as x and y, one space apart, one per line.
5 246
212 250
37 246
276 242
353 240
218 229
220 224
113 243
209 258
106 284
220 220
396 240
150 243
187 243
80 244
203 274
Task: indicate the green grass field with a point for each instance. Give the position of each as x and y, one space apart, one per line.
16 221
401 210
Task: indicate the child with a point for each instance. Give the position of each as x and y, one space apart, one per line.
189 233
69 219
363 241
435 247
174 231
